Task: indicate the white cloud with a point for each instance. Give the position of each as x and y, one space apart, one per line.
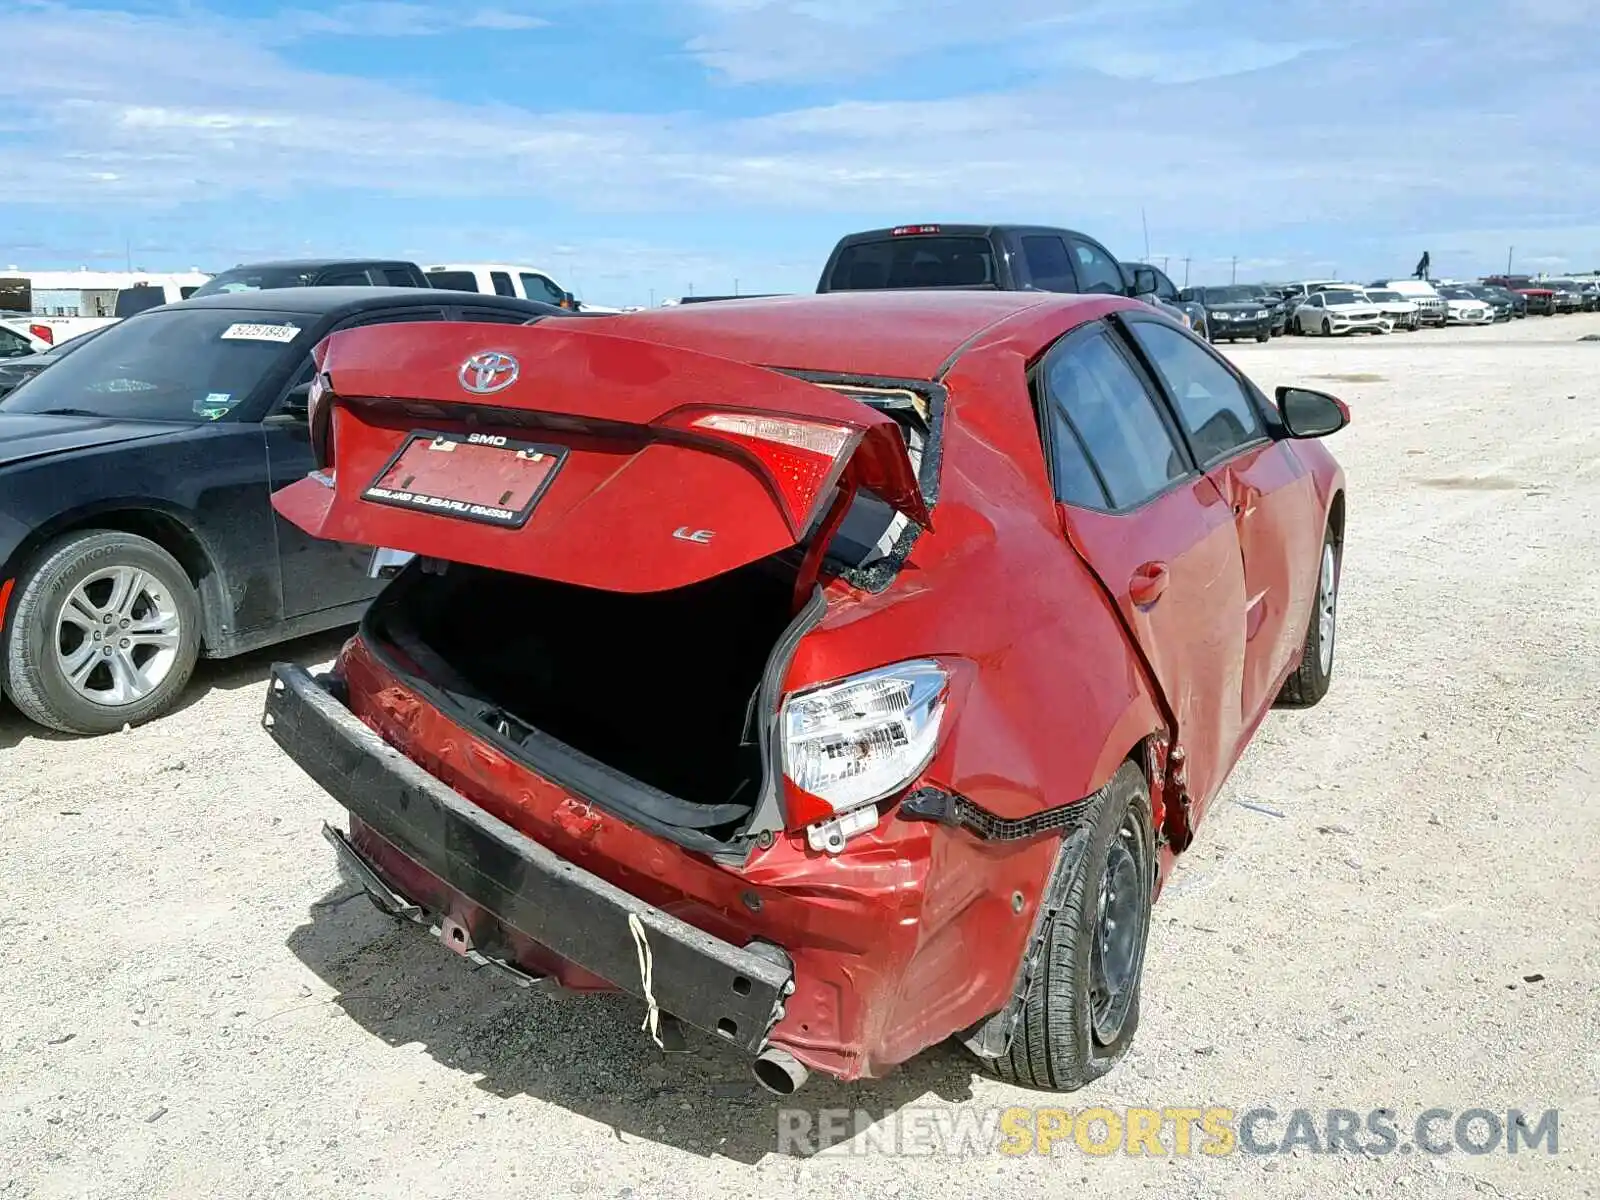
395 18
1411 136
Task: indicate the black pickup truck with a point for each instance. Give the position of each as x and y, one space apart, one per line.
1007 258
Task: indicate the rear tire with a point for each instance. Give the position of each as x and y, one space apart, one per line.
105 633
1083 1006
1311 678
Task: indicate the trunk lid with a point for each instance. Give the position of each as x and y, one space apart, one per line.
585 457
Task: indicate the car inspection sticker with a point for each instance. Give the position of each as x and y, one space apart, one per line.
214 405
261 333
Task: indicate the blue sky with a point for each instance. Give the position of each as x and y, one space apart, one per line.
636 147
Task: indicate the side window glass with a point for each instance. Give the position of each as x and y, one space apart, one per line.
1215 409
1115 418
1097 272
344 279
537 287
1049 268
502 283
13 345
1074 479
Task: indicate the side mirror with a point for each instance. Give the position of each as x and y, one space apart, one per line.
1309 414
296 405
1144 281
568 300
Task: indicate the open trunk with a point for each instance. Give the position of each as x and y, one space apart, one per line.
661 688
618 544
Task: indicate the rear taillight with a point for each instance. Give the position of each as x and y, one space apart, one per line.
44 333
802 458
857 741
319 416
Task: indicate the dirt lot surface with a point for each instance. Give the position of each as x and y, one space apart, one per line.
1408 918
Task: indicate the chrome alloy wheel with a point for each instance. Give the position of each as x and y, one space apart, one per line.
117 636
1327 609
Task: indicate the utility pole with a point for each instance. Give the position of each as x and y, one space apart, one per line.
1164 259
1186 262
1509 251
736 285
1234 277
652 297
1143 221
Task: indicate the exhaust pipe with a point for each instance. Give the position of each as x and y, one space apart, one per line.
779 1071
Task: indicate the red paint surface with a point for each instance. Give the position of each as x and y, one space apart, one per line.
1058 670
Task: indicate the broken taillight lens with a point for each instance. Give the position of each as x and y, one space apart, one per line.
866 737
801 457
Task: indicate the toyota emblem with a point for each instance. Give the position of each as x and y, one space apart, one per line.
489 371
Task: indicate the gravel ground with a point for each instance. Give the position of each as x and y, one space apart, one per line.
194 1005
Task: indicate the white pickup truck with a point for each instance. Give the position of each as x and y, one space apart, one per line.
506 279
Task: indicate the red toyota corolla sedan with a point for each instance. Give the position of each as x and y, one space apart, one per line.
837 674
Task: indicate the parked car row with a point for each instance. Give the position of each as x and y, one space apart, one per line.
1335 308
52 306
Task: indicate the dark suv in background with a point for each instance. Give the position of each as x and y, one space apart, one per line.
1236 310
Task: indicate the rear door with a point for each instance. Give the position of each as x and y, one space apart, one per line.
1158 534
1270 494
585 457
1048 262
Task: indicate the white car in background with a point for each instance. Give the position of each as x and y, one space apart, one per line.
1431 308
508 279
1395 308
19 336
1463 308
1338 312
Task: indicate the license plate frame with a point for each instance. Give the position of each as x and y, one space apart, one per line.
397 483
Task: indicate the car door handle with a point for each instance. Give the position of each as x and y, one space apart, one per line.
1148 582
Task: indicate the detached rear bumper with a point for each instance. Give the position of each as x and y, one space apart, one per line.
530 893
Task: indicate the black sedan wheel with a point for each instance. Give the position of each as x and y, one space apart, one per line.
1082 1005
105 633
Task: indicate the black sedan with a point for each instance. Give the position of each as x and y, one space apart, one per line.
136 530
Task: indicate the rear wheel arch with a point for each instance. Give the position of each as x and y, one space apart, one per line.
164 528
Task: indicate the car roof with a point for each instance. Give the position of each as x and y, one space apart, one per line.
333 300
901 334
485 266
314 264
947 230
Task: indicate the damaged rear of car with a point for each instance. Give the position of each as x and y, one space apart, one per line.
671 696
